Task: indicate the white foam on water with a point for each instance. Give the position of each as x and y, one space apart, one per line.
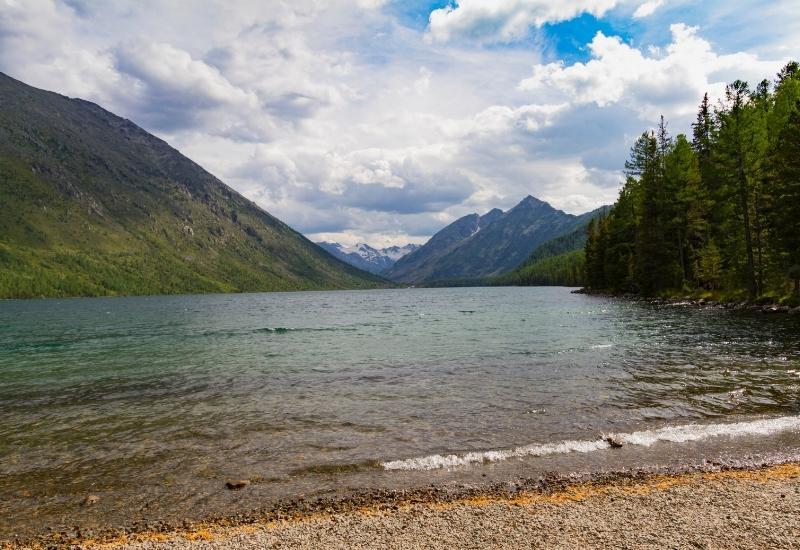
674 434
479 457
697 432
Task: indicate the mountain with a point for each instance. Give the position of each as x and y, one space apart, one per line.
559 261
421 263
91 204
365 257
471 248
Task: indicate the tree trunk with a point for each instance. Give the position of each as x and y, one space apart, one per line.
684 275
759 246
752 289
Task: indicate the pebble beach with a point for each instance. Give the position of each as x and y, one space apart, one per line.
740 508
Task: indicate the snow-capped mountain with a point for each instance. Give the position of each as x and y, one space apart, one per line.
365 257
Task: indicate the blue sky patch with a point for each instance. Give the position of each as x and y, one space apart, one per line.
415 13
568 41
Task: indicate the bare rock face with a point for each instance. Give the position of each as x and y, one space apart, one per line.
475 246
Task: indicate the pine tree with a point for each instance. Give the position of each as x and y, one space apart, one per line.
786 222
734 161
654 247
621 238
686 211
594 271
702 141
709 266
721 213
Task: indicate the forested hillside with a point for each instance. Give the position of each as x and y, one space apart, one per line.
477 248
91 204
558 262
565 269
719 211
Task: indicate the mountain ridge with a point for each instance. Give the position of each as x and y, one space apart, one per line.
440 244
488 249
557 262
92 204
366 257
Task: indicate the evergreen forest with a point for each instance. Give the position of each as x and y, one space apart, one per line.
717 212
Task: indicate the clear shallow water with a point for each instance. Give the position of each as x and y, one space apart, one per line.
154 402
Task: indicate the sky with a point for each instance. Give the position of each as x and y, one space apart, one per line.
381 121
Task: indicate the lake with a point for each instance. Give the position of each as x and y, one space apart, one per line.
153 403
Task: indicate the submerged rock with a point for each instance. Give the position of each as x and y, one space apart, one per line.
90 500
614 441
237 484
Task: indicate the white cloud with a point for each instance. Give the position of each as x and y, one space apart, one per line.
172 72
370 4
669 84
647 9
344 123
506 20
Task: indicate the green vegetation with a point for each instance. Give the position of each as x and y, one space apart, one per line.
565 269
718 216
91 204
558 262
475 249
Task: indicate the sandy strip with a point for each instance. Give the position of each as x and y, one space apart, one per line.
728 509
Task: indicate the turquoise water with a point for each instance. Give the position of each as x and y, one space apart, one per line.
154 402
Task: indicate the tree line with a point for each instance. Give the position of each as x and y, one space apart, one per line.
719 212
558 262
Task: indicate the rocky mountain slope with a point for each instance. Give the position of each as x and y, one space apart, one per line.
422 263
559 261
476 247
363 256
91 204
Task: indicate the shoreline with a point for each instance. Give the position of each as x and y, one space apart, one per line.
547 491
690 301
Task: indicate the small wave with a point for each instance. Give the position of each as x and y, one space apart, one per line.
284 330
602 346
433 462
674 434
276 330
697 432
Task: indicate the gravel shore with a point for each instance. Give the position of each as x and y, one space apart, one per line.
727 509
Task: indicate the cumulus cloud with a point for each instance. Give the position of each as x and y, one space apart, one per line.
506 20
648 8
186 90
339 119
667 83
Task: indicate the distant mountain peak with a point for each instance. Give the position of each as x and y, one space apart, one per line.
366 257
531 201
490 216
477 246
